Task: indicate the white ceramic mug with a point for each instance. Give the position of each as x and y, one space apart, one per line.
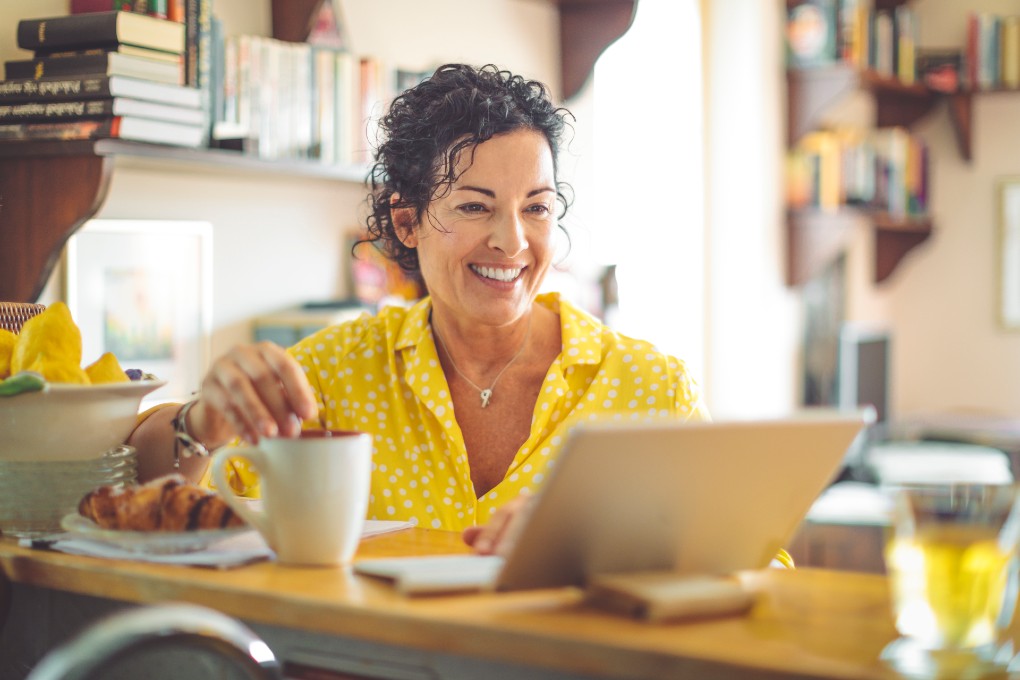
314 493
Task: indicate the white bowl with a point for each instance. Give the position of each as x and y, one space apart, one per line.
70 422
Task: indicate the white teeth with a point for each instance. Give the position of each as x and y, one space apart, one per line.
498 274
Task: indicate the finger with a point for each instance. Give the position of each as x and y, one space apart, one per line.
274 415
470 535
490 536
292 378
233 385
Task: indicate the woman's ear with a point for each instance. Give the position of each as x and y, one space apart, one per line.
403 222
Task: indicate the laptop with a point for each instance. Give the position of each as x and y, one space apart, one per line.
701 498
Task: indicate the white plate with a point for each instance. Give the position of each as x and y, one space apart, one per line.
148 542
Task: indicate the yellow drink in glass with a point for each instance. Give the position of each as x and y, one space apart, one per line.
951 560
948 585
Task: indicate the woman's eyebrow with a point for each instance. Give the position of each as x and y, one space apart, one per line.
488 192
492 194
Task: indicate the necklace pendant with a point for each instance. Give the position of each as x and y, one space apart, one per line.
485 395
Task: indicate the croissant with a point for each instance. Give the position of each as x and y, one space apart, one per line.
165 504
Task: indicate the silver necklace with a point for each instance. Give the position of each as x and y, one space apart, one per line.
485 394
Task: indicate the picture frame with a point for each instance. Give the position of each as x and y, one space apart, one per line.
1008 251
142 289
375 280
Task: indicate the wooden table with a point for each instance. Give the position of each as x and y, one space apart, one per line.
805 624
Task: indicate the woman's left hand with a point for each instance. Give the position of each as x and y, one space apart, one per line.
498 536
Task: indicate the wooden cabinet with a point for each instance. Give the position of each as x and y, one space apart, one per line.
48 190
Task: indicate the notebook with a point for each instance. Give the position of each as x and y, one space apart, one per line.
693 498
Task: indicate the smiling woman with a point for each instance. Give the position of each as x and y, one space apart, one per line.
470 393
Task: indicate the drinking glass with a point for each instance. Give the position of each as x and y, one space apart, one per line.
951 561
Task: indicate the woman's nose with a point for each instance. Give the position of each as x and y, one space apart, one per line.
508 235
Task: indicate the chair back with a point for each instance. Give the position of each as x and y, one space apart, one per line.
14 314
91 654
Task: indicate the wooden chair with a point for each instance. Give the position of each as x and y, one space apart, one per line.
14 314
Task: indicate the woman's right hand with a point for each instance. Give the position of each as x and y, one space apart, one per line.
256 390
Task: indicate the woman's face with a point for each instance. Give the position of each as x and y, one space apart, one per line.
486 243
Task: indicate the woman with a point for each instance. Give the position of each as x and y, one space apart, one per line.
470 393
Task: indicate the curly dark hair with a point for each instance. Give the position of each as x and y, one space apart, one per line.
428 126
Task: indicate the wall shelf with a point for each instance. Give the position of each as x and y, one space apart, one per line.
815 239
813 92
51 188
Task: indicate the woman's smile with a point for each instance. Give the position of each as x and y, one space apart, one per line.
497 274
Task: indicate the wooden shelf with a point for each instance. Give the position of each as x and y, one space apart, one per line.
51 188
815 238
161 156
812 92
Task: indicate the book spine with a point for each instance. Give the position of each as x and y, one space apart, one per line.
84 6
885 43
191 9
175 11
216 77
906 42
68 130
1011 52
55 89
204 63
33 112
58 66
87 29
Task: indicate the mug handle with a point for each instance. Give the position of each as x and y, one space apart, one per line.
219 475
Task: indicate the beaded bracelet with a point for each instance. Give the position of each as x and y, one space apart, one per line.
183 438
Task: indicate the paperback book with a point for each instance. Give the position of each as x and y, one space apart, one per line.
41 112
95 87
98 29
108 63
117 127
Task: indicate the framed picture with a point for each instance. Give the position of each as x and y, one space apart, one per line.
377 280
142 289
1008 194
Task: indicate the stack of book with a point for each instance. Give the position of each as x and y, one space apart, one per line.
993 51
98 75
883 170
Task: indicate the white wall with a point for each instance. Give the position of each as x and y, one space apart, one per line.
949 352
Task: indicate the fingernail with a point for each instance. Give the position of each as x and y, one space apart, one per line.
483 545
268 428
294 425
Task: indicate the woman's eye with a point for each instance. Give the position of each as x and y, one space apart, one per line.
472 207
540 209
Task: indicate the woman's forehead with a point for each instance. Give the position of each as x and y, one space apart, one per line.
518 152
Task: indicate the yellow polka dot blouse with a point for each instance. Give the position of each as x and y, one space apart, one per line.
382 375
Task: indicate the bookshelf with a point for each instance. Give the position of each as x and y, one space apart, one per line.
816 238
49 189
